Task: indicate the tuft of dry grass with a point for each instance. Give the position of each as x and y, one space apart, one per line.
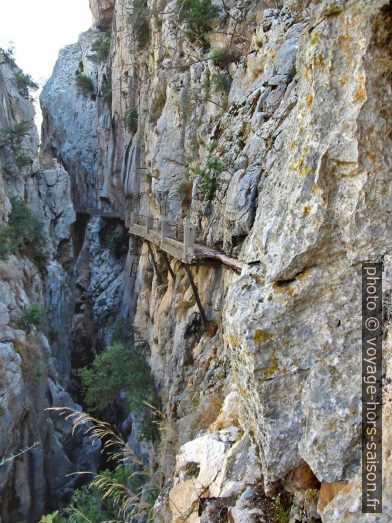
130 504
112 443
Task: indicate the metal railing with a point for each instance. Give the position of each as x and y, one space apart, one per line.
185 233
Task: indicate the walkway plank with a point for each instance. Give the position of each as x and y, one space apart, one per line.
176 249
202 252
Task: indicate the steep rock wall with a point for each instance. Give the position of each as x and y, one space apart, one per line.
263 407
35 367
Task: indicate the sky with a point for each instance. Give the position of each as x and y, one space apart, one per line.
38 29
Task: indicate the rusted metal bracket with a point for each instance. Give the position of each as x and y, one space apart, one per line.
196 294
154 262
165 257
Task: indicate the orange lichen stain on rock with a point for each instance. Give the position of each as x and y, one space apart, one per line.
317 189
329 491
307 210
344 80
315 38
234 341
360 93
303 478
344 42
371 155
211 411
332 10
297 166
283 288
261 336
271 370
304 275
319 61
343 39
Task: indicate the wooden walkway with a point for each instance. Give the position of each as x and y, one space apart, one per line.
178 242
115 214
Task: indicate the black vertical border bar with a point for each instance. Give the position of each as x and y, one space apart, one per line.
372 329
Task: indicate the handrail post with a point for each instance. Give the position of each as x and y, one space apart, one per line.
189 240
163 227
148 223
131 215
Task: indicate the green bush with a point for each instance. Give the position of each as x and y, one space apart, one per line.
101 48
121 331
130 119
116 369
9 54
85 84
282 513
197 13
25 84
22 161
12 136
23 234
111 495
222 57
33 315
54 517
209 177
221 82
139 22
106 92
86 505
118 244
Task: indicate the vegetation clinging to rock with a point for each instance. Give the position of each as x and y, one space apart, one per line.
120 369
209 177
138 19
33 315
101 48
85 84
130 119
197 13
25 84
23 234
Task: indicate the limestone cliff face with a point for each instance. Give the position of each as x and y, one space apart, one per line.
35 367
297 114
262 407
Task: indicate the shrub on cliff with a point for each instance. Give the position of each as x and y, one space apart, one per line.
222 57
197 13
122 494
33 315
23 234
101 48
138 19
12 136
209 177
120 369
107 92
118 244
9 54
85 84
25 84
130 119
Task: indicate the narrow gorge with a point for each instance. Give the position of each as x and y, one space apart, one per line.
180 260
